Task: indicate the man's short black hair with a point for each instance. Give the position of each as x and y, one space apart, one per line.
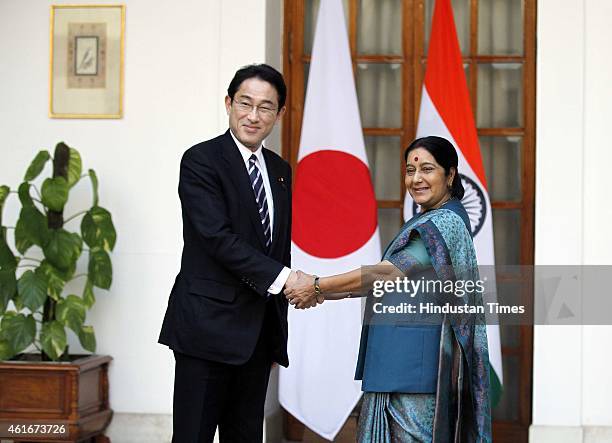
263 72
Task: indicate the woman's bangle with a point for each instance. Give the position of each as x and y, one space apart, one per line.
317 288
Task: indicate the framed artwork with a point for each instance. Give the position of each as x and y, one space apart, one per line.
86 66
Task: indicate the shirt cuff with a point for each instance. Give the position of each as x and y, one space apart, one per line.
280 281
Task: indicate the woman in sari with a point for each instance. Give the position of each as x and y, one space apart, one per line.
422 382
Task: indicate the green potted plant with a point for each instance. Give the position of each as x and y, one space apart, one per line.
36 310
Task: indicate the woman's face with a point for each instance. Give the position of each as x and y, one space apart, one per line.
425 179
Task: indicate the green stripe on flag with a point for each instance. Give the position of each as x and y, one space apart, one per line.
496 389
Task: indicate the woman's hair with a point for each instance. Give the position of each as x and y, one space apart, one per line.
445 154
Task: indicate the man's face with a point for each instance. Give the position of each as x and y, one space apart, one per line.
253 112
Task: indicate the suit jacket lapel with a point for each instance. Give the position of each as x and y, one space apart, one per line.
278 184
238 173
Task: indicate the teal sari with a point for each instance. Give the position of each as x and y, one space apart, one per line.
459 410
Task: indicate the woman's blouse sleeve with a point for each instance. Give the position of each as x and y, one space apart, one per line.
414 254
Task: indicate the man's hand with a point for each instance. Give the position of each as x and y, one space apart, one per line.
291 280
301 292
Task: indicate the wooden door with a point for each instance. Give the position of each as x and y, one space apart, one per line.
389 40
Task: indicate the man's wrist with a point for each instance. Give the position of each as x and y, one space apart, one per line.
281 280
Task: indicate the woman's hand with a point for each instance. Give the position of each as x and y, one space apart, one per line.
301 293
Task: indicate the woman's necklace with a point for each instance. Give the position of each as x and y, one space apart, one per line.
439 205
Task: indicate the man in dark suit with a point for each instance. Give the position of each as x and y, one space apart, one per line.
226 319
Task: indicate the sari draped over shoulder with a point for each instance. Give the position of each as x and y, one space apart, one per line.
461 411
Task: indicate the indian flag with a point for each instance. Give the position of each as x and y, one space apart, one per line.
335 229
446 112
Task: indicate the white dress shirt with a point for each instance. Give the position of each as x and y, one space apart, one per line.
246 153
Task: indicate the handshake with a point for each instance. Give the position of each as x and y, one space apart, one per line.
301 291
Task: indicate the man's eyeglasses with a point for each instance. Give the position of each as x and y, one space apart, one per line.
264 111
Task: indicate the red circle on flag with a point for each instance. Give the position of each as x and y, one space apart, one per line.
334 207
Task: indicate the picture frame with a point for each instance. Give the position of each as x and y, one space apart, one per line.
87 47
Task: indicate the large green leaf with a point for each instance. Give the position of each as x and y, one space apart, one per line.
67 274
56 279
53 339
31 228
88 295
7 258
32 289
6 352
55 193
8 288
71 312
18 330
22 242
24 194
63 248
37 165
7 314
4 193
94 186
87 338
75 167
98 230
100 268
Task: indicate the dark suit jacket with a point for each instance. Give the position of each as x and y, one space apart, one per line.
219 300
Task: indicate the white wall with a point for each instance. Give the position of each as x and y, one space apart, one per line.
572 393
597 385
180 56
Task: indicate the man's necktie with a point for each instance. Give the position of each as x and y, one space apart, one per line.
260 198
